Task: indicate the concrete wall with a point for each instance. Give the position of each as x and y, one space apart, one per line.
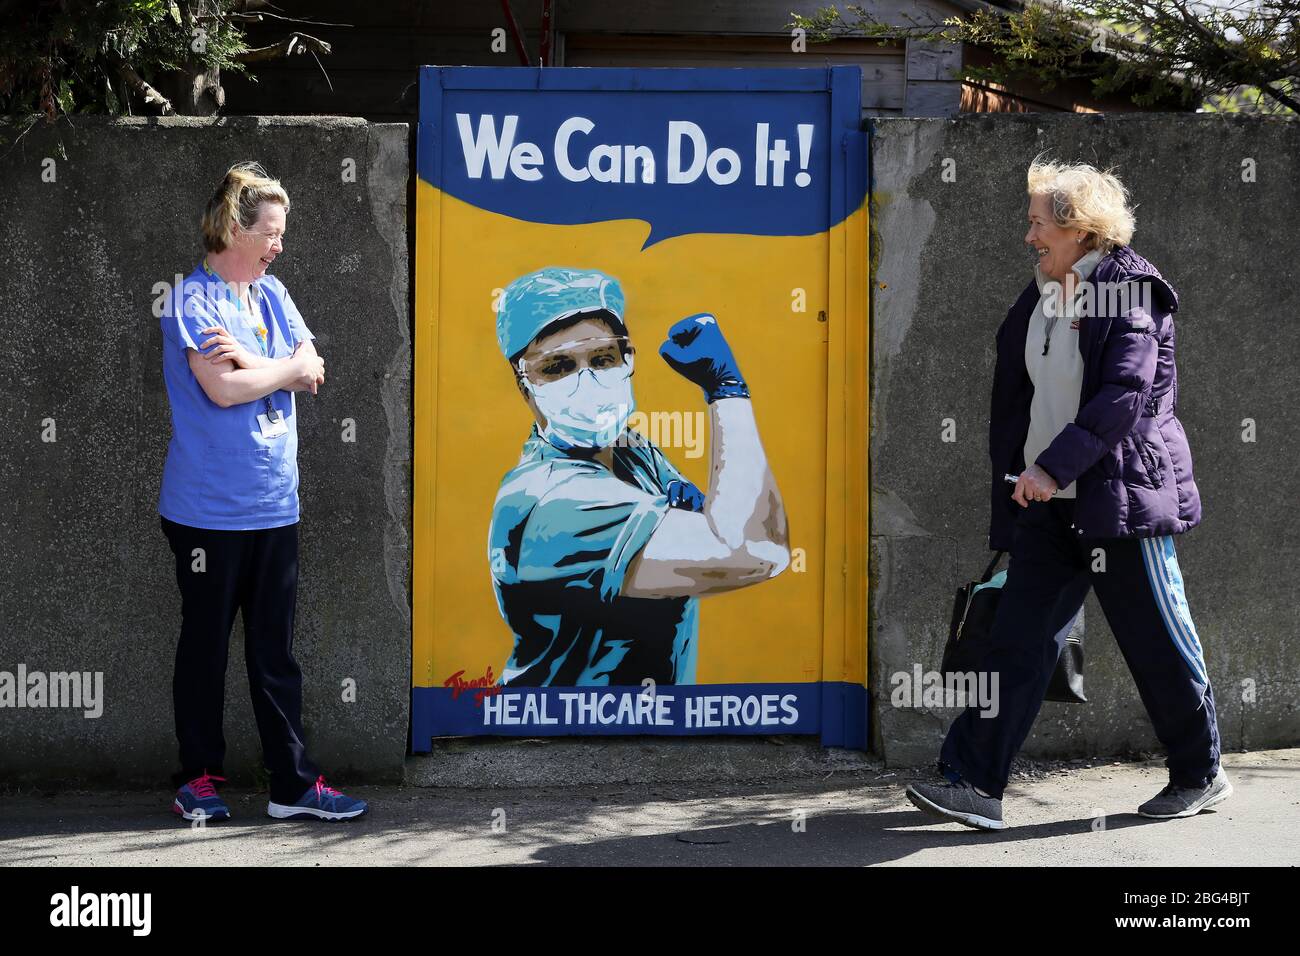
87 581
950 260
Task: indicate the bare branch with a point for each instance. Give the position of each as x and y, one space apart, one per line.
259 17
136 82
1287 101
323 70
293 43
36 118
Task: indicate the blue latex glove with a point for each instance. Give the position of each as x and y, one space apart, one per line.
682 494
697 351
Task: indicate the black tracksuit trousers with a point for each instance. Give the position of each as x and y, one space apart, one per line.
1140 589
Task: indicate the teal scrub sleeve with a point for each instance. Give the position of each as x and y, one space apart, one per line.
585 531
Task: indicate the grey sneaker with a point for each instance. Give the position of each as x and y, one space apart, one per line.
1175 801
959 802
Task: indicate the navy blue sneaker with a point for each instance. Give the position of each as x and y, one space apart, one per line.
198 800
320 802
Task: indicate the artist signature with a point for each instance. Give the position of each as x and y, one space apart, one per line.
482 686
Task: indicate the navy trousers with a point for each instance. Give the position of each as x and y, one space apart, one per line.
1140 589
255 573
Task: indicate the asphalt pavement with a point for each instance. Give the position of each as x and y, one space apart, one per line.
1077 816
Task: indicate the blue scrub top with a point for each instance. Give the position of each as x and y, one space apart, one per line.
564 531
221 473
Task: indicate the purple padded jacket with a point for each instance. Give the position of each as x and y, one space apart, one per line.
1125 448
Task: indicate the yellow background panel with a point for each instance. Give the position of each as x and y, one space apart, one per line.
473 422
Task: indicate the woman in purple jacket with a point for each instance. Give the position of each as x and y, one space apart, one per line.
1084 395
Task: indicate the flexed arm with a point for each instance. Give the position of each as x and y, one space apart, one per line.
741 537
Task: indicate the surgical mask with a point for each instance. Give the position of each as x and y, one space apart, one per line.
588 409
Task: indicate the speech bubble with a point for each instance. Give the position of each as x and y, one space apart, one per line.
749 162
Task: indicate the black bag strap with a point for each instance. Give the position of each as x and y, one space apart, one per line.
988 572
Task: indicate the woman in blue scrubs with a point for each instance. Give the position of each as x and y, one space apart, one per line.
235 350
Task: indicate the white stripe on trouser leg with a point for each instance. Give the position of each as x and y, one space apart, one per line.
1167 588
1179 594
1156 579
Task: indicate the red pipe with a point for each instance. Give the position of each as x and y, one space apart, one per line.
514 32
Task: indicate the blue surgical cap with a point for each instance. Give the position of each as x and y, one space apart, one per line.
534 301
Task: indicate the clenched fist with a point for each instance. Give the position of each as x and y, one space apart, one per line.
697 350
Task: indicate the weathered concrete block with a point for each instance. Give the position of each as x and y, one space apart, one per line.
949 261
88 580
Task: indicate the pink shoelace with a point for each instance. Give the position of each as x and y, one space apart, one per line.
323 790
202 786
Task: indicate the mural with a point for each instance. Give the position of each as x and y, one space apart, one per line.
597 252
598 584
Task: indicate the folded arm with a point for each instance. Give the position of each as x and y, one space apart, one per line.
227 384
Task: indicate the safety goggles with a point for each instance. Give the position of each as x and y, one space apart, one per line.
569 358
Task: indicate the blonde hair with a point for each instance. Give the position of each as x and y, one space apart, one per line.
239 199
1084 197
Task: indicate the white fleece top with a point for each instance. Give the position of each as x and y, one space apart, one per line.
1058 375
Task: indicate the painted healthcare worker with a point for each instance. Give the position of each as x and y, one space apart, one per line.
235 349
599 547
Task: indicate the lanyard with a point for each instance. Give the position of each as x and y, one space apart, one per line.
259 330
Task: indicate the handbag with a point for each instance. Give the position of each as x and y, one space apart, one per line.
970 637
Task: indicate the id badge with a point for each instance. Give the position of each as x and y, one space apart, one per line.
273 425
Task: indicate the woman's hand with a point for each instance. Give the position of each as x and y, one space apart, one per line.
311 369
1034 484
225 346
